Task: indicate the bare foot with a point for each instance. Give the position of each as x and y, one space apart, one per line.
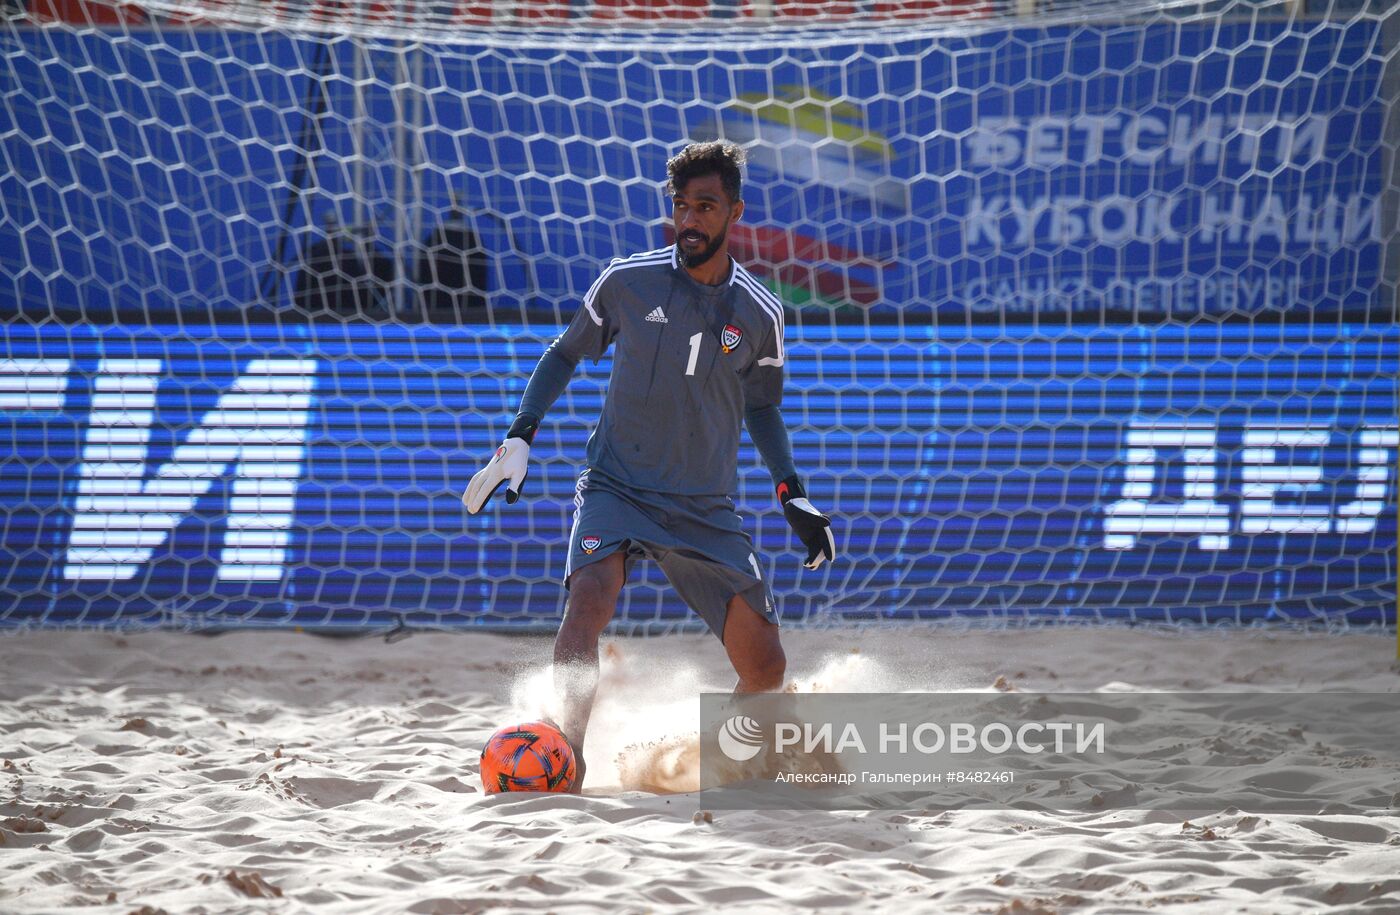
580 767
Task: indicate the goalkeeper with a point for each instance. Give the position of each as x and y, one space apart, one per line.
699 348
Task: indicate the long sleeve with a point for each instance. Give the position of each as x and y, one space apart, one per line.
588 334
549 379
770 437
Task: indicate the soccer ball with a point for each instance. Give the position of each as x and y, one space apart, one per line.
532 756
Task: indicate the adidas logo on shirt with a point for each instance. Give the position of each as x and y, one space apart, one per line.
658 316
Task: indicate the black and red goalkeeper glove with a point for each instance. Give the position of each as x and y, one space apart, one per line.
812 527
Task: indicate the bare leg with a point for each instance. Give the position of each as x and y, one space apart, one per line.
754 649
759 660
593 592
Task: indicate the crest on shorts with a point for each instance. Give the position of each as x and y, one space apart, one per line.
730 337
590 543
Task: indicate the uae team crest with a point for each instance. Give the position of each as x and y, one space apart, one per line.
731 337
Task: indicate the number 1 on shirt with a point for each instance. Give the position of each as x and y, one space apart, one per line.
694 354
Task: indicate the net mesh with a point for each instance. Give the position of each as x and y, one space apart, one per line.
1092 309
608 22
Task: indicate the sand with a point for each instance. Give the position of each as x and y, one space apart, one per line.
281 772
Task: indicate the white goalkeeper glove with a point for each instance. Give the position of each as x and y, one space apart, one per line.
811 526
509 465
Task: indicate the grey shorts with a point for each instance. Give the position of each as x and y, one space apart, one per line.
698 541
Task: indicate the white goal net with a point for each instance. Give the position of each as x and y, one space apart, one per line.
1092 306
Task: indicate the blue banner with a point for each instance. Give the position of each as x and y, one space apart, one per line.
1162 172
259 477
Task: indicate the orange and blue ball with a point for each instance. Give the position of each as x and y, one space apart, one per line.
533 756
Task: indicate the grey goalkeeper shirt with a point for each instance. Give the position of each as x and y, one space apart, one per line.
688 360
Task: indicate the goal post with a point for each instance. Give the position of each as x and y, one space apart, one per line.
1092 307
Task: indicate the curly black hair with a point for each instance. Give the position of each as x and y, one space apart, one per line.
714 157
